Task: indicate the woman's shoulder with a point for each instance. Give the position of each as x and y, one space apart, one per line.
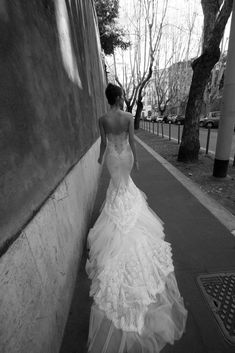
127 115
108 118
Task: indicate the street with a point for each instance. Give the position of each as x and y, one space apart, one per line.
203 135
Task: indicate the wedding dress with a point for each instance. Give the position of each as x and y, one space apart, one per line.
137 306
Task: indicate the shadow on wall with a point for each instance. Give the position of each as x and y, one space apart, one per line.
51 93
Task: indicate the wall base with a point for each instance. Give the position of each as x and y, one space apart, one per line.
38 272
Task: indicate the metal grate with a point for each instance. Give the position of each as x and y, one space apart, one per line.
219 292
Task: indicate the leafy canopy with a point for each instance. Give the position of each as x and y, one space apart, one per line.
111 35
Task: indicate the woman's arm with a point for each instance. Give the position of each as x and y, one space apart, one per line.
103 141
132 142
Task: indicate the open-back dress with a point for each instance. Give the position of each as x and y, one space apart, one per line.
137 306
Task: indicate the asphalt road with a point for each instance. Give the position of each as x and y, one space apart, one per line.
203 136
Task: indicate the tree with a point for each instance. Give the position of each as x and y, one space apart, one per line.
111 35
163 95
149 16
214 87
216 14
171 82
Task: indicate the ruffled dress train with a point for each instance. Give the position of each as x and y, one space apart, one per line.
137 306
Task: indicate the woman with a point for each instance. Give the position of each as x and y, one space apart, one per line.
137 305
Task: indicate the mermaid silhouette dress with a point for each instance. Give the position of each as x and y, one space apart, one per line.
137 307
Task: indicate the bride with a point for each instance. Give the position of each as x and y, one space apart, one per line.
137 306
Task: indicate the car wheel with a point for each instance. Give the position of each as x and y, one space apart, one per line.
209 125
201 124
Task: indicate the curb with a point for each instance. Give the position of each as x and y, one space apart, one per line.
204 149
220 212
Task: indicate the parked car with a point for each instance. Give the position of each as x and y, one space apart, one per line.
160 118
166 118
156 118
180 119
211 120
172 118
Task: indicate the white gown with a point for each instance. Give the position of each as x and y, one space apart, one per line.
137 306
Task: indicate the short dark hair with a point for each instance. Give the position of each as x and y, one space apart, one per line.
112 92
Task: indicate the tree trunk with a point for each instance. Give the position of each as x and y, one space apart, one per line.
138 114
210 10
202 67
129 107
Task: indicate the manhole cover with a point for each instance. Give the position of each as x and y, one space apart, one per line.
219 292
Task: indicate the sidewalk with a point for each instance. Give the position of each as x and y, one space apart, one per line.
200 243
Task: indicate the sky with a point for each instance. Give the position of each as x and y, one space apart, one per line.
180 16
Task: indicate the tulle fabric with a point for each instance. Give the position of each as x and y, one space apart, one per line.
137 305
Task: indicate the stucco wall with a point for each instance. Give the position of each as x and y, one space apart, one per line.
51 93
37 273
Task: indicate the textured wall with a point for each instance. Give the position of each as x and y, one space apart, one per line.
38 272
51 93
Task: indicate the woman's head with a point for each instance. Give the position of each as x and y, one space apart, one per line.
113 94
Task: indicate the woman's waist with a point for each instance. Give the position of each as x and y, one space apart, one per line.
119 146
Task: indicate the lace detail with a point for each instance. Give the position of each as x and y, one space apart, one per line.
123 204
128 285
130 265
129 279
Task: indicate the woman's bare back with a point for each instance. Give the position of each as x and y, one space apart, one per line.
116 122
117 127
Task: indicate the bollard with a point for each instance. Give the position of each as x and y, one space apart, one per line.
153 126
169 130
178 132
208 139
162 130
158 128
